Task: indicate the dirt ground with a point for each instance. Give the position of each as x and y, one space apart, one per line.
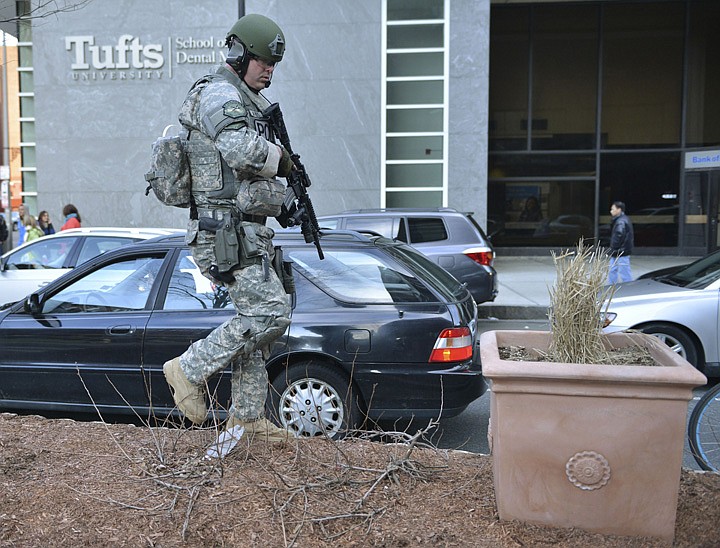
67 483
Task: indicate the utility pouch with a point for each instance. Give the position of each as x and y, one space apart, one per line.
283 269
210 225
250 252
227 247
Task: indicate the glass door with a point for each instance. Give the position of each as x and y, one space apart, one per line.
702 210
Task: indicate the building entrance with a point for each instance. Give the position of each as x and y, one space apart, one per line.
702 210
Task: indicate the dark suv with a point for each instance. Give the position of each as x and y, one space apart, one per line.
451 239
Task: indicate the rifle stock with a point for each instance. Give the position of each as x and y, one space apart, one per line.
298 208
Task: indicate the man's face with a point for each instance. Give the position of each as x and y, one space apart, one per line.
615 211
21 210
258 74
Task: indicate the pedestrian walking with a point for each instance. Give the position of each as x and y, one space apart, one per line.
233 193
621 244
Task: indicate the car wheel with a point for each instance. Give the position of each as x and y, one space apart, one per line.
313 399
676 339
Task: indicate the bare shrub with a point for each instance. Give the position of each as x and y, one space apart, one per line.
578 301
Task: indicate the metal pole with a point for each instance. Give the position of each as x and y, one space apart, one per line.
6 155
241 8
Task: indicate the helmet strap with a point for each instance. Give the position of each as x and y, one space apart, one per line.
237 56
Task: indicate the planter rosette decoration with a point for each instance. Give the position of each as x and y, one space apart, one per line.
593 446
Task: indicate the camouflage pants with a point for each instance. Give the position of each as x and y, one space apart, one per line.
263 312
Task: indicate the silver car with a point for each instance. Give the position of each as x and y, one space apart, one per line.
679 306
450 238
38 262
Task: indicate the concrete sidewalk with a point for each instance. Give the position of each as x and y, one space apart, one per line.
524 284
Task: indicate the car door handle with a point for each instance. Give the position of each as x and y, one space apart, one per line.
121 330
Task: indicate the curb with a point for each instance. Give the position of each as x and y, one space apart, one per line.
502 312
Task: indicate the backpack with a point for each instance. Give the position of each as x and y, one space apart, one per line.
169 175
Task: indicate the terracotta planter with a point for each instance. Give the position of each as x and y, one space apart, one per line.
598 447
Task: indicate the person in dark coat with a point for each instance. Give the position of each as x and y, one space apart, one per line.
621 244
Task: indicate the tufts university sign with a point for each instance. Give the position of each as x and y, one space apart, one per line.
131 59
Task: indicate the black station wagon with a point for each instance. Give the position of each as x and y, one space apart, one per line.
378 333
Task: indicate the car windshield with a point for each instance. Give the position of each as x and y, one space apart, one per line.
360 276
697 275
120 286
43 254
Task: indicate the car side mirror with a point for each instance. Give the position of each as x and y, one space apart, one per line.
32 304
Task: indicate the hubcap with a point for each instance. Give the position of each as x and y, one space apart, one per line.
311 407
672 343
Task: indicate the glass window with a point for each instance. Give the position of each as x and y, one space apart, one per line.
27 131
541 213
24 26
703 107
190 290
398 10
642 74
93 246
509 47
415 93
564 91
415 36
385 226
27 107
425 147
426 230
414 120
360 277
25 55
545 165
415 64
414 199
408 175
27 82
28 155
29 181
649 186
50 253
328 223
121 286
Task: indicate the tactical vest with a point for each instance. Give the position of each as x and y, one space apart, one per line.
214 184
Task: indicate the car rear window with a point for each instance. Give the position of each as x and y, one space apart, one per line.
441 279
360 276
380 225
430 229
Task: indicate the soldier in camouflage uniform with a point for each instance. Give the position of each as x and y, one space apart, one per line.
233 163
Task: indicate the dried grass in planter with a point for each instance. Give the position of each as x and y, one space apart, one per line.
578 301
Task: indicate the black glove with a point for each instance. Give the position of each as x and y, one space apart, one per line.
285 164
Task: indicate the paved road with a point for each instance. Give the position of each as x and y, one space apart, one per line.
468 431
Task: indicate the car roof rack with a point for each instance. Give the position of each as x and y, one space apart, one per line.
334 234
397 209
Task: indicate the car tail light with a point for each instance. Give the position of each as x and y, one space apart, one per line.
453 345
480 256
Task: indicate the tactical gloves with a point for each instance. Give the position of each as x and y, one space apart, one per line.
285 164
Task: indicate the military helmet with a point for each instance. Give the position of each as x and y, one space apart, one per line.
260 35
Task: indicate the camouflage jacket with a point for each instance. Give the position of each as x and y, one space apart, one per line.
227 134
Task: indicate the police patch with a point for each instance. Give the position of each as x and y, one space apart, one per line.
234 109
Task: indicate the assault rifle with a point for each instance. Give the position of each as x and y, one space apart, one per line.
297 209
